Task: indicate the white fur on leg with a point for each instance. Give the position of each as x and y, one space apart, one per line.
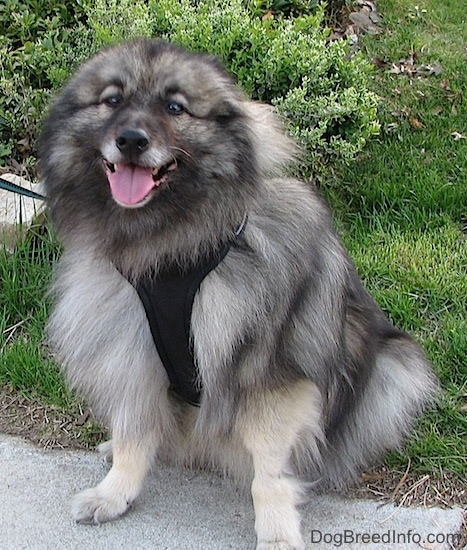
271 425
277 519
114 495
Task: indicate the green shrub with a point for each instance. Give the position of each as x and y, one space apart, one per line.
319 88
315 84
114 21
34 34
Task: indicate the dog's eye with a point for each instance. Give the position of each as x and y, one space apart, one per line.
113 100
175 108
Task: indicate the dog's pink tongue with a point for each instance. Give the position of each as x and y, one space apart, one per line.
130 184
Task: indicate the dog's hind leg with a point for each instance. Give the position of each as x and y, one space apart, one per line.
271 426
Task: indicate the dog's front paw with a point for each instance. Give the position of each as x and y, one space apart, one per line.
106 450
278 545
94 506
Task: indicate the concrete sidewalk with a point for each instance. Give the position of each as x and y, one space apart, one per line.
183 510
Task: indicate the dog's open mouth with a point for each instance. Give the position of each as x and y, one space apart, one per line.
132 185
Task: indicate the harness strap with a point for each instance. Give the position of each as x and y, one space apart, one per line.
168 301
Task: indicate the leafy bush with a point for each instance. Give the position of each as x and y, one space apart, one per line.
33 37
319 88
315 84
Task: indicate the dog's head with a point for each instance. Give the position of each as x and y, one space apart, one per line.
149 128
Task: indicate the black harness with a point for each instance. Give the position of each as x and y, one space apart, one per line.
168 301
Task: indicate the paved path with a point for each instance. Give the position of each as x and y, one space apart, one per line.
182 510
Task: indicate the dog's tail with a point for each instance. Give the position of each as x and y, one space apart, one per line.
398 388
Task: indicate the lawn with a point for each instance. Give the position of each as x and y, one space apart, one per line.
401 210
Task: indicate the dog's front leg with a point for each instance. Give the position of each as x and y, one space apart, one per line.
271 426
138 427
132 459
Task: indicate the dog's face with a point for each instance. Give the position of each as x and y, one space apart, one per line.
160 113
148 125
152 152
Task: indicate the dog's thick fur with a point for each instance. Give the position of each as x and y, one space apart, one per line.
304 379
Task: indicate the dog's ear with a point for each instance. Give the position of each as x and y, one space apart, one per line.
275 150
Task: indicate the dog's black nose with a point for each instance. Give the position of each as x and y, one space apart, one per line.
132 142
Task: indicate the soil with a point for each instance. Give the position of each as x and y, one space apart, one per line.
48 426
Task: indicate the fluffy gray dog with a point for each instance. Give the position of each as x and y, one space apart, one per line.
204 305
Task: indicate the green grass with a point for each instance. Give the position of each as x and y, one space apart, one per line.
26 364
402 212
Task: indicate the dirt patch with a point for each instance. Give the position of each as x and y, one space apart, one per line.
48 426
407 489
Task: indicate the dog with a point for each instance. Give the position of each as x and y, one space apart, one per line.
204 305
